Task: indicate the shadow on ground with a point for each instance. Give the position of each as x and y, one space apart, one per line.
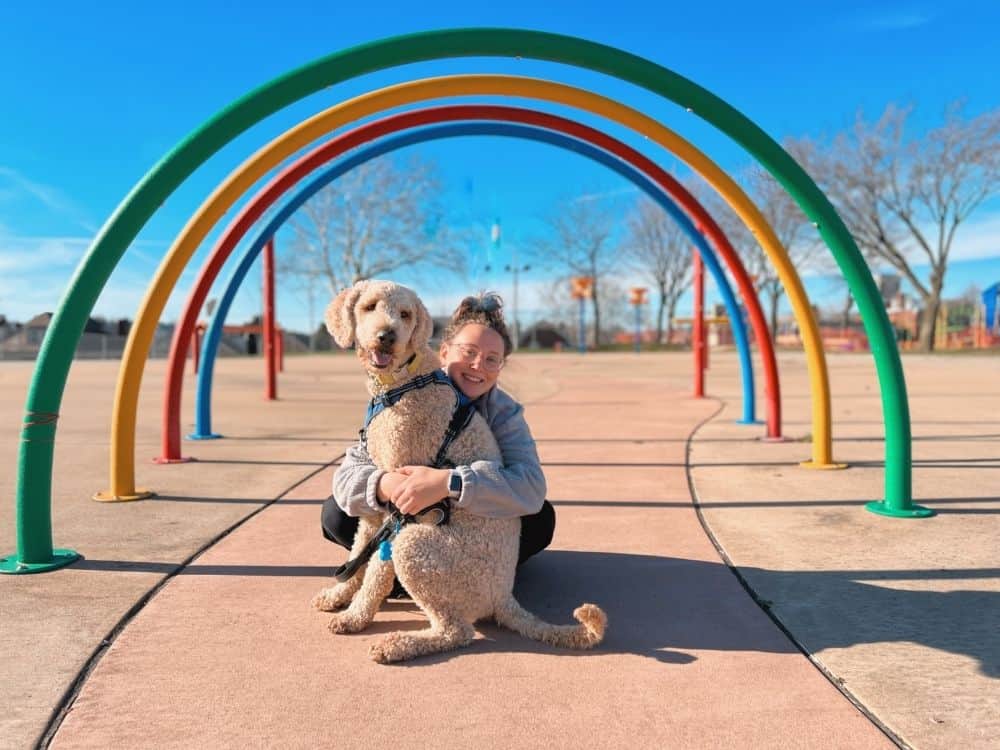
663 608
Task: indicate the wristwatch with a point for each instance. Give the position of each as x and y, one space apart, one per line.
454 485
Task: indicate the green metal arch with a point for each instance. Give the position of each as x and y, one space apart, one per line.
55 357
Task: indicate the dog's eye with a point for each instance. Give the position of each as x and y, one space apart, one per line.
405 315
370 307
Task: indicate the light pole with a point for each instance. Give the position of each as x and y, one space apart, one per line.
637 298
512 267
515 268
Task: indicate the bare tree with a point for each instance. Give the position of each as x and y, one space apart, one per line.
376 219
791 226
564 312
581 242
660 251
903 200
616 313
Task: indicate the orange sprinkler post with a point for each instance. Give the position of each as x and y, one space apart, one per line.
270 360
698 327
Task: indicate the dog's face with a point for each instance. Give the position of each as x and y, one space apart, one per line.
386 321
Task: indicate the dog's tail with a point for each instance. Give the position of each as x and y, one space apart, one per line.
589 632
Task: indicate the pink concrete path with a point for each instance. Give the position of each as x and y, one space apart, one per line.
229 654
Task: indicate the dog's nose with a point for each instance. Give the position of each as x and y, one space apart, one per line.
387 337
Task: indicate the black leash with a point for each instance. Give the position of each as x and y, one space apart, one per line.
460 419
437 515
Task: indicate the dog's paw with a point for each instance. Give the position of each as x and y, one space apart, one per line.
345 622
386 650
332 599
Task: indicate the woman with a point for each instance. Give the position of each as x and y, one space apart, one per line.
474 348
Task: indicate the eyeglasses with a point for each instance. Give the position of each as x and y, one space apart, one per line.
470 353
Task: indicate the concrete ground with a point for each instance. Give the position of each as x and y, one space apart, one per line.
138 645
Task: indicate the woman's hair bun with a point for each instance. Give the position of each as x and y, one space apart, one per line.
485 302
485 308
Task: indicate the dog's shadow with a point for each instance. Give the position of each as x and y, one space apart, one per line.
657 608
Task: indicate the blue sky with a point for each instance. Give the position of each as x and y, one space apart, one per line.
93 96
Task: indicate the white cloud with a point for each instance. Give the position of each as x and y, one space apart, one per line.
18 186
21 302
590 197
35 272
976 239
979 238
25 256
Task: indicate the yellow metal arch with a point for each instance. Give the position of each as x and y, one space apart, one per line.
122 469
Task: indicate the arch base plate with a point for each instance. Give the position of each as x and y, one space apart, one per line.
10 565
816 466
914 511
107 496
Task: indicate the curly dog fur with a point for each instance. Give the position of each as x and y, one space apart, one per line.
457 573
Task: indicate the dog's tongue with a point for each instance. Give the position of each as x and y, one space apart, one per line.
381 360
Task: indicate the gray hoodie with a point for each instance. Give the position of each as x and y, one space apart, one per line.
494 490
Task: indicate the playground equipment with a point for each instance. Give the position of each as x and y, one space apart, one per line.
657 193
122 458
123 426
270 352
698 343
210 347
35 551
637 298
189 330
331 149
991 310
581 288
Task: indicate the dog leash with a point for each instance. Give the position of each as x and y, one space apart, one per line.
436 515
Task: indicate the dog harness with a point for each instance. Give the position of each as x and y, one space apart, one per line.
391 397
460 418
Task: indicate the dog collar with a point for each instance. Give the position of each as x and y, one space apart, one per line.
411 365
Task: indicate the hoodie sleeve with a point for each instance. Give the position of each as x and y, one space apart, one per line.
355 483
515 487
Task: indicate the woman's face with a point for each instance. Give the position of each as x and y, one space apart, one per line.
473 359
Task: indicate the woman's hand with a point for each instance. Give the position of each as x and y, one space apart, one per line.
420 488
387 484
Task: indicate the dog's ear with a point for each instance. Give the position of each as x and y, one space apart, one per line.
340 315
424 328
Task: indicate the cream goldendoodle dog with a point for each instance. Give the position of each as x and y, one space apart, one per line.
456 573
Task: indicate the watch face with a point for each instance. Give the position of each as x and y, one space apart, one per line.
455 483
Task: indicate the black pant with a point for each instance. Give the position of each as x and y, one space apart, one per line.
536 529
